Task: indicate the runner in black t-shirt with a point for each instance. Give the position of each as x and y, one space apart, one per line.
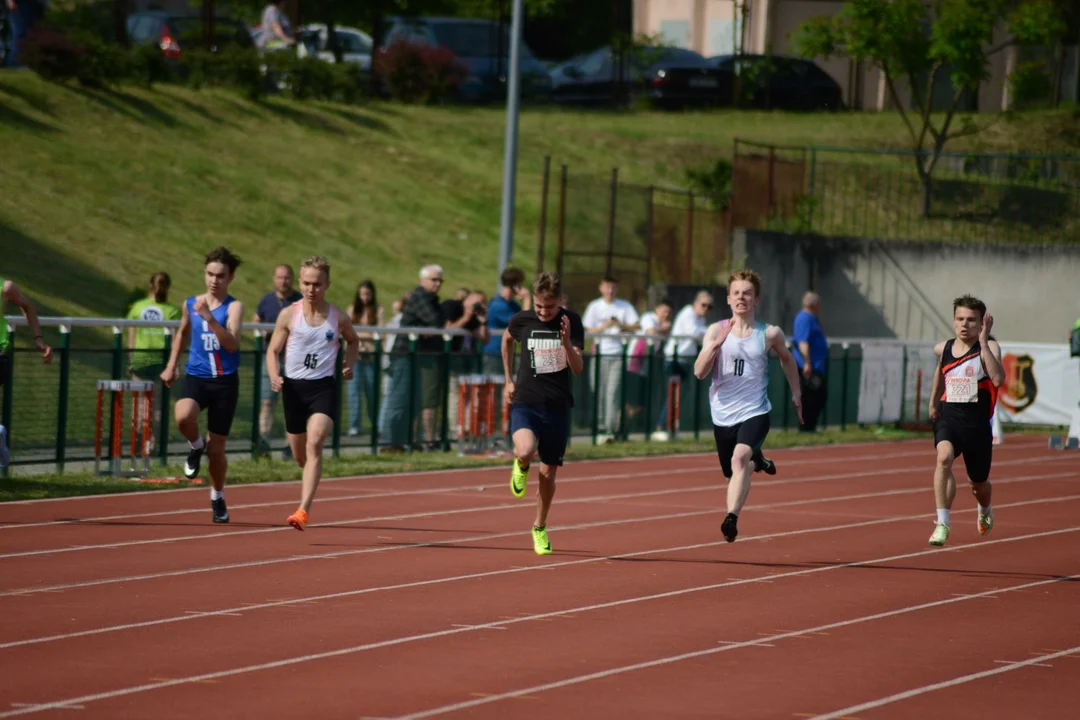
551 338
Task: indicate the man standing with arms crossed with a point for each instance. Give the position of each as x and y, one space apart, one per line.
309 333
10 293
736 352
211 323
282 296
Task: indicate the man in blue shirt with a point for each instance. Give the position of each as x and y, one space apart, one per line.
512 298
809 341
283 295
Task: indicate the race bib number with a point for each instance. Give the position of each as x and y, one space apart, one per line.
549 360
961 389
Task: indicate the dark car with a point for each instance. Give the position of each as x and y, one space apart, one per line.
775 82
667 77
174 33
483 47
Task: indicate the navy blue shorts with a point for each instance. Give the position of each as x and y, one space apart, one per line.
551 427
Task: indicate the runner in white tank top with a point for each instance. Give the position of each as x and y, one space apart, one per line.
736 352
310 332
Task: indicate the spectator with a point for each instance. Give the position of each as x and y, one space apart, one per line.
277 31
424 311
809 341
23 16
680 353
655 325
469 314
512 298
393 413
267 312
148 343
610 316
366 311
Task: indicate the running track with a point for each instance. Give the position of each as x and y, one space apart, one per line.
419 596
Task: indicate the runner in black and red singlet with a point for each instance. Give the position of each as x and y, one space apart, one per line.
962 402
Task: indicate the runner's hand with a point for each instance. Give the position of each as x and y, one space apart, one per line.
202 308
796 400
722 331
347 372
987 326
276 382
46 351
168 376
508 393
933 412
565 327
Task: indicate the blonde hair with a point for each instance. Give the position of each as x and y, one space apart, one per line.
316 262
746 275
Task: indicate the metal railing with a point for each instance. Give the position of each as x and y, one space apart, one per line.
49 409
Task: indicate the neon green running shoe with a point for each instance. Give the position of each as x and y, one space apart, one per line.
518 480
540 541
941 534
986 522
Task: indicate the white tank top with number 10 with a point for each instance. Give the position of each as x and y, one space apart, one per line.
311 353
740 381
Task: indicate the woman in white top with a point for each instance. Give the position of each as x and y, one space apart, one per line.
736 351
310 332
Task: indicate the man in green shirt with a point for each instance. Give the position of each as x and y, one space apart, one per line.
9 293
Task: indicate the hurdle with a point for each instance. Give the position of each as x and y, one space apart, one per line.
477 429
674 400
141 432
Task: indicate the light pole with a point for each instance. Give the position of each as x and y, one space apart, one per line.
513 102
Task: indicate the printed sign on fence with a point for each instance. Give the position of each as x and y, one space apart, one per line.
881 383
1042 384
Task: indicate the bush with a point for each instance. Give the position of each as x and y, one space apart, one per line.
233 67
417 72
51 54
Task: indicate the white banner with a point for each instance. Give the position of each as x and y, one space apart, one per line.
1042 384
881 383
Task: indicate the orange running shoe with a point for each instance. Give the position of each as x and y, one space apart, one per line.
298 519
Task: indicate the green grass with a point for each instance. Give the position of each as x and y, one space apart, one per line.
72 484
99 190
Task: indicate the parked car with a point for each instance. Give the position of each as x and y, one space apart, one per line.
174 32
483 46
667 77
782 83
355 44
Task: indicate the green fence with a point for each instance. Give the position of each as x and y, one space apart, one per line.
49 410
869 193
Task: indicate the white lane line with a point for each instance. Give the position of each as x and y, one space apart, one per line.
1039 661
243 607
505 506
347 553
285 662
756 643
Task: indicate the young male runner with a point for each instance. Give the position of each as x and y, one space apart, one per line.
309 332
962 400
552 338
213 323
10 293
736 352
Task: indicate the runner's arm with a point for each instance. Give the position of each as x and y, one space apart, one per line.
13 295
991 358
352 342
710 348
936 385
183 336
277 345
508 355
774 336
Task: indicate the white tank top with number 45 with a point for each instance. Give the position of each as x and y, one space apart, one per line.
740 381
311 352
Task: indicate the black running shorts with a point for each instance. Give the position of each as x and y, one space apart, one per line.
751 431
303 398
974 442
218 396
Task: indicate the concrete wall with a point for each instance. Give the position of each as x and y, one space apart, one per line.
905 289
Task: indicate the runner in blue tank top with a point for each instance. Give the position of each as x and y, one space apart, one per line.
210 327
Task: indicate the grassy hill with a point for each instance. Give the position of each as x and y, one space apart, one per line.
99 190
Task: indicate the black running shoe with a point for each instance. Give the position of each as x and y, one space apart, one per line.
221 513
729 527
194 459
763 464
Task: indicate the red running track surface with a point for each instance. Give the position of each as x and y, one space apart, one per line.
420 596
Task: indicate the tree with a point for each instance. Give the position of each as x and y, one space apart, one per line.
915 41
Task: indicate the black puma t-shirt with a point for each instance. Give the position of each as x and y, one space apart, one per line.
543 378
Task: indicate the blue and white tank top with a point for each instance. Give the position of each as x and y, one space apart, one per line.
206 358
740 381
